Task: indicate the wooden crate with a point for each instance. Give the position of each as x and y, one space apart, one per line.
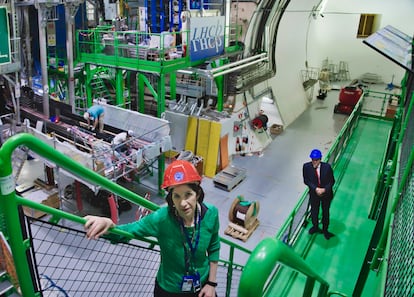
51 200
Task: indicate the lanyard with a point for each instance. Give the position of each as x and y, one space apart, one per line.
191 248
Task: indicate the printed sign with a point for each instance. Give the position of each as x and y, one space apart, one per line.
51 34
4 37
206 37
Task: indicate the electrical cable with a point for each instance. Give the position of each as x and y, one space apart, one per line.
49 285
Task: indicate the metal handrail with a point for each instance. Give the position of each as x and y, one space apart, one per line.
379 251
253 280
9 202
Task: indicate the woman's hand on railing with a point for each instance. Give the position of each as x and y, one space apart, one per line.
96 226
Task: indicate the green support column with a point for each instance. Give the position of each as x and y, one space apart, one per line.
219 80
88 85
220 92
119 89
141 92
128 89
9 206
161 95
173 85
161 169
160 113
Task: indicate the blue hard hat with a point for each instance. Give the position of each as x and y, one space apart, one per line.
315 154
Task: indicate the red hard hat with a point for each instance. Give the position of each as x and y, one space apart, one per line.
180 172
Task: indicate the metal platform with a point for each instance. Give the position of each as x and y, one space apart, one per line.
229 178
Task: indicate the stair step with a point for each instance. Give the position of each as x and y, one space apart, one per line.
5 286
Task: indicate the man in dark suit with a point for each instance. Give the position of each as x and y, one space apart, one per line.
319 178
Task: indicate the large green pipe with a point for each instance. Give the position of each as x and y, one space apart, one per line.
262 262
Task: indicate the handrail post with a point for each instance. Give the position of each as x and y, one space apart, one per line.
309 285
230 272
9 211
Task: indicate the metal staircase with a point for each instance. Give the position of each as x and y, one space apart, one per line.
99 89
6 286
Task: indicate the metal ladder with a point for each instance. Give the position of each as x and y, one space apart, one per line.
99 89
343 72
6 287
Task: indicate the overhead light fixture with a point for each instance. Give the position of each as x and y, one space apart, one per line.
322 7
319 9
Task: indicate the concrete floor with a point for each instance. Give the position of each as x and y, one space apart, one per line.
274 178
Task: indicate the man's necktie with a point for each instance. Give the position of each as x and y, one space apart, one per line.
317 175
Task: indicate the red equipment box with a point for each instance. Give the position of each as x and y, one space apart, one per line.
348 98
350 95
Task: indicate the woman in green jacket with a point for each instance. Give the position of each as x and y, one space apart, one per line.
186 230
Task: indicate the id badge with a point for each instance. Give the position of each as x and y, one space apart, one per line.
187 283
191 283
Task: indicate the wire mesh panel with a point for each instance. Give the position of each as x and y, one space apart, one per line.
400 273
72 265
69 265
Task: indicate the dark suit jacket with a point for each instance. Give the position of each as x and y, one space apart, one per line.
326 178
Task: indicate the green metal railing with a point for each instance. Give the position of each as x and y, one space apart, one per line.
406 179
136 50
271 253
266 255
131 50
291 228
9 214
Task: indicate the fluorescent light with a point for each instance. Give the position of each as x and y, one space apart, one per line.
322 9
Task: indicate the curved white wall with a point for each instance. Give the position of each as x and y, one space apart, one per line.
332 37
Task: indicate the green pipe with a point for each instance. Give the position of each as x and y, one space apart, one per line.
58 214
266 255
